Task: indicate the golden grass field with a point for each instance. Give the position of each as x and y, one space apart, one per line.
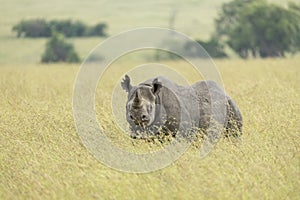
42 156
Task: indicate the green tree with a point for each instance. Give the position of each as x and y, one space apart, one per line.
69 28
255 27
58 50
295 8
230 16
32 28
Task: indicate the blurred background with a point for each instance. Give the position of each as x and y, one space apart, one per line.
225 28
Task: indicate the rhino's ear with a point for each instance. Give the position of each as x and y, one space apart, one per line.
126 84
156 86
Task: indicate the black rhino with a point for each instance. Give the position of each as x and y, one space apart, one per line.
160 105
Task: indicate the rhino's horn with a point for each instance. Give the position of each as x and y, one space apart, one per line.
137 98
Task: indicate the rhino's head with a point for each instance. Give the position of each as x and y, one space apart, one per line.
140 106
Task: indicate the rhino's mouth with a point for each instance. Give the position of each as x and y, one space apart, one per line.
142 124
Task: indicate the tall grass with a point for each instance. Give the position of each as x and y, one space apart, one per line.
42 156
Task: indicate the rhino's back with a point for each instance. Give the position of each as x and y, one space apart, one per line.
195 99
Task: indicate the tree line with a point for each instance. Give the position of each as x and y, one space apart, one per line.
34 28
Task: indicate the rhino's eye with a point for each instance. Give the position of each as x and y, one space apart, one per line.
131 117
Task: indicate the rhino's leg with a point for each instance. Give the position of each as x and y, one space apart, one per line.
234 119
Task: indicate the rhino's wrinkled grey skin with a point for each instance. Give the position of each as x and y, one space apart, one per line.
159 104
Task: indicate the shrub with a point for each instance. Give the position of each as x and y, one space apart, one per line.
97 30
213 47
58 50
161 55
